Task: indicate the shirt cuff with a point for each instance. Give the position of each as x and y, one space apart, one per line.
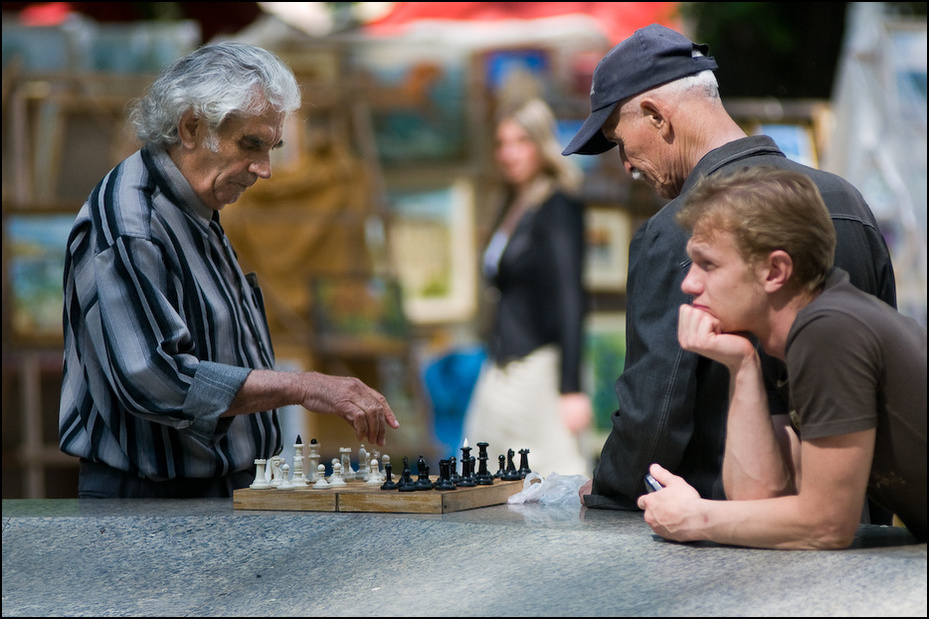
210 395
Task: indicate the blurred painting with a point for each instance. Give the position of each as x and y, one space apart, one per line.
604 362
608 233
34 255
417 102
432 250
518 74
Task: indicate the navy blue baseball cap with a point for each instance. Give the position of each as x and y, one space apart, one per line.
652 56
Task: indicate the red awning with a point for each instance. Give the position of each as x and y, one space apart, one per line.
617 20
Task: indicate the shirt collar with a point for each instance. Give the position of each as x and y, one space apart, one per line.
728 153
179 184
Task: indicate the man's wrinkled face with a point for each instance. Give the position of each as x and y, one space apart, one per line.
643 151
230 160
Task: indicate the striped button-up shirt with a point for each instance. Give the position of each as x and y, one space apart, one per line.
161 328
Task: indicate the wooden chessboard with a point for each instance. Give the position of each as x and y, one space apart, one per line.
356 496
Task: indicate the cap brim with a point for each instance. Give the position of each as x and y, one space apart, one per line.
589 140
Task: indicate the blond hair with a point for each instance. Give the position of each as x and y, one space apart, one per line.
766 209
537 120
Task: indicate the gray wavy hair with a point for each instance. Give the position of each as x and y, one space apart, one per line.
214 81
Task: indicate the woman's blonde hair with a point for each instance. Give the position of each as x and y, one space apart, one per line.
538 121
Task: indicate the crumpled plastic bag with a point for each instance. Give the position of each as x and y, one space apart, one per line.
552 490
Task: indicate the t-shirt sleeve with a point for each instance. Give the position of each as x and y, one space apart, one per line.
833 367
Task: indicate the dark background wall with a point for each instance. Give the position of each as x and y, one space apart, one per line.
788 50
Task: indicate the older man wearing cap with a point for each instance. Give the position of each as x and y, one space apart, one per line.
655 96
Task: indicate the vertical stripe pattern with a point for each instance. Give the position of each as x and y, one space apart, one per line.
161 328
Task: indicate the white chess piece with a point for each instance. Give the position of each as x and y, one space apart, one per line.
276 463
335 480
299 478
374 475
372 456
362 463
347 471
286 482
314 461
321 482
261 478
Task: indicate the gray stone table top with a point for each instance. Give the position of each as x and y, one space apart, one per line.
70 557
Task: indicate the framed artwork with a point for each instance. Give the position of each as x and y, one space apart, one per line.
609 231
417 99
604 362
796 140
431 246
33 258
518 72
357 314
908 67
565 130
65 142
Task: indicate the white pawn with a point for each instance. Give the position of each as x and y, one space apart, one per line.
335 480
374 475
261 479
321 477
286 483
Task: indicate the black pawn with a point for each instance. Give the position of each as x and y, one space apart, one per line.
389 483
445 477
511 473
423 483
502 470
524 463
453 468
406 483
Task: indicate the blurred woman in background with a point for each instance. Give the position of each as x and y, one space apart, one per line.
528 395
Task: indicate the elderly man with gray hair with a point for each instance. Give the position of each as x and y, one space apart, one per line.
169 383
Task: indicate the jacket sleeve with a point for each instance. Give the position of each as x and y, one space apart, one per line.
564 223
657 388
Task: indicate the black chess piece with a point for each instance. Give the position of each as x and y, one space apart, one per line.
444 482
501 471
453 468
406 483
389 483
467 475
483 476
511 473
423 483
524 463
465 456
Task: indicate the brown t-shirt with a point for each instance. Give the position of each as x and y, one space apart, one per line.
854 363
